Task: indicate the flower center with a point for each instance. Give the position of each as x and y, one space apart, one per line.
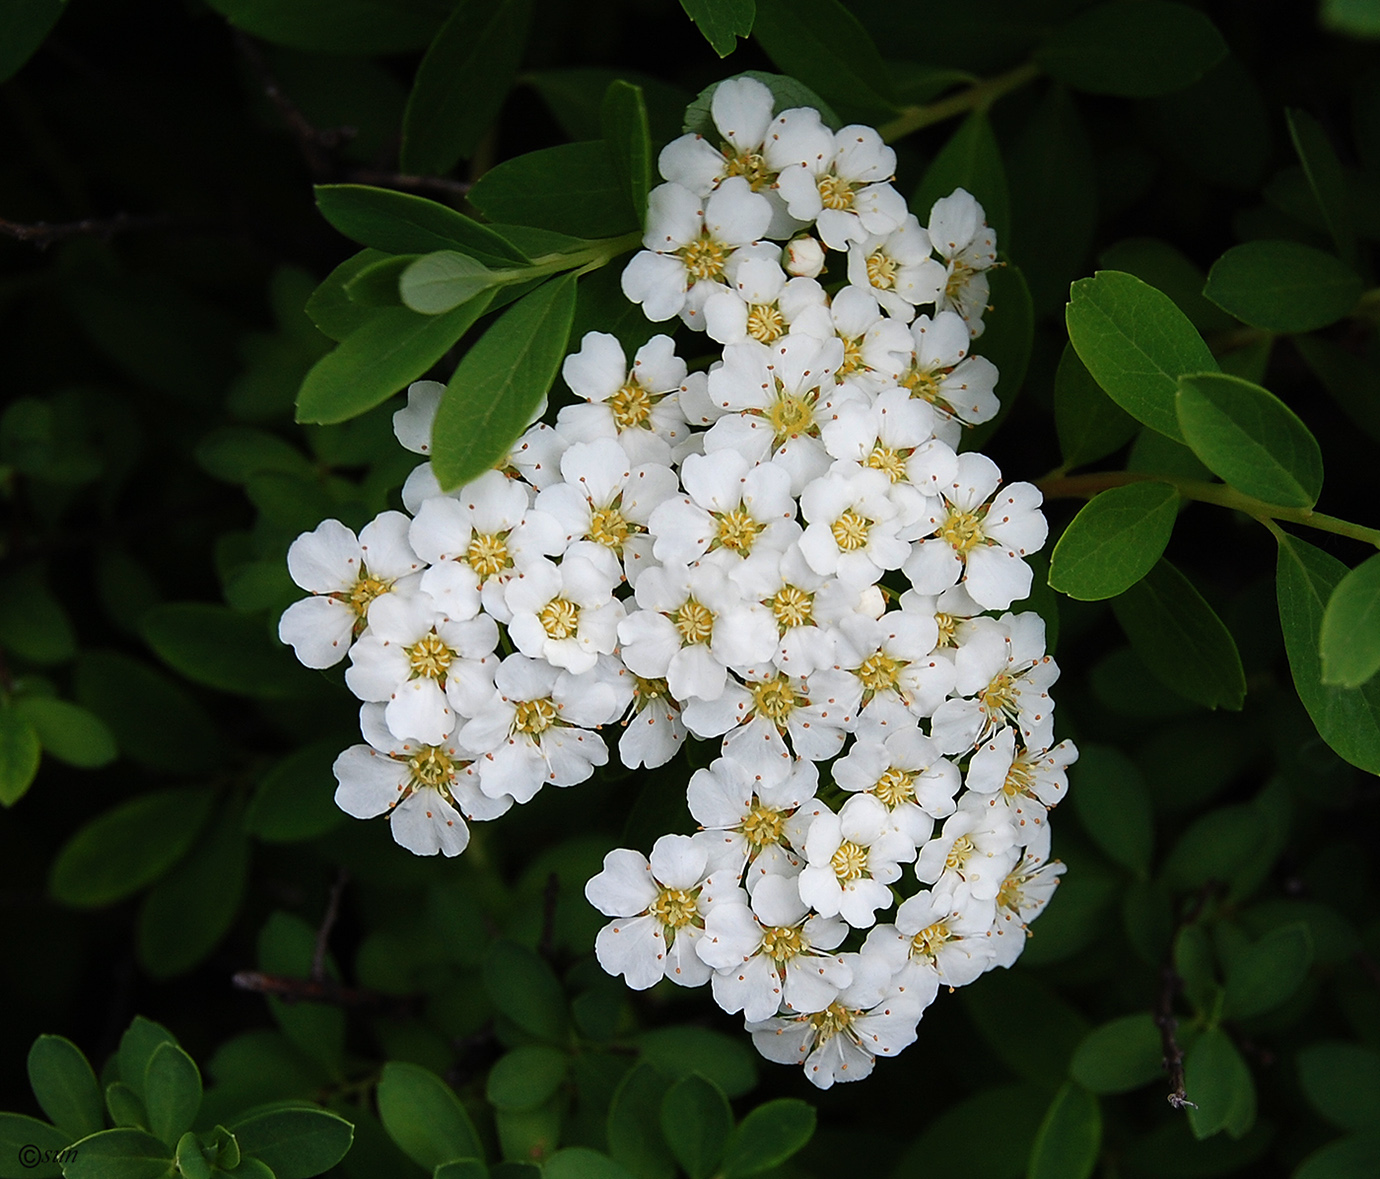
792 607
608 528
364 591
429 657
850 861
959 275
835 192
782 943
749 165
893 462
831 1021
852 359
1009 895
704 257
762 825
737 530
1020 779
962 848
431 766
676 907
560 618
850 531
533 716
926 943
488 554
879 673
948 627
694 621
649 690
631 405
791 415
775 698
999 697
881 270
765 322
895 787
963 531
925 384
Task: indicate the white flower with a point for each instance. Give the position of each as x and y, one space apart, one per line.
1027 783
659 908
871 1017
345 575
639 407
959 232
977 846
853 526
689 244
906 774
1003 677
853 856
939 938
773 953
808 608
981 536
653 733
1022 897
412 425
761 304
424 789
899 675
897 268
565 614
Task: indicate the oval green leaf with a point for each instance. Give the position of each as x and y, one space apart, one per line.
499 384
1266 973
437 282
172 1093
1119 1056
1349 643
69 732
1283 286
295 1142
571 188
1089 423
131 846
65 1086
1114 541
399 223
526 1077
424 1117
696 1120
1068 1140
623 120
971 159
1111 802
1180 638
1217 1081
120 1154
223 649
768 1136
20 754
580 1162
1136 344
1342 1081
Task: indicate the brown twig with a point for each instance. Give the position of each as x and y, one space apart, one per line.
42 234
295 990
1170 985
323 935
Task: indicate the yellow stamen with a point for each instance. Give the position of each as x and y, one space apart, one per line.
762 826
429 657
835 192
850 531
831 1021
850 861
488 554
963 531
879 673
749 165
948 627
926 943
962 848
676 907
895 787
560 618
694 621
364 591
893 462
998 699
736 530
704 257
608 527
792 607
765 322
881 270
431 766
775 698
533 716
782 943
790 416
631 405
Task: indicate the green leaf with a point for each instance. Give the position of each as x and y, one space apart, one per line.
1342 1081
1114 541
1113 806
1090 424
24 25
1006 341
334 26
376 285
1348 719
20 754
140 1041
579 1162
462 1169
1031 1030
971 159
1217 1081
1283 286
128 847
65 1086
768 1136
33 624
398 223
287 946
786 92
1181 639
30 1147
188 912
296 1142
500 383
1327 180
435 283
424 1117
330 308
1168 269
696 1121
1350 379
220 648
124 1107
1119 1056
1068 1141
462 83
393 348
1349 642
526 1077
155 722
69 732
680 1051
1268 972
120 1154
1357 1156
191 1160
722 21
959 1141
623 119
1215 847
634 1124
1194 961
1355 18
1136 344
1133 48
172 1093
524 988
1247 436
826 47
572 188
295 799
234 453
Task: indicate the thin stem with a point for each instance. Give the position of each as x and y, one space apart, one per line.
1057 485
977 97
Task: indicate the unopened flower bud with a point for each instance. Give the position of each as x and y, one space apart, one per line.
804 257
873 602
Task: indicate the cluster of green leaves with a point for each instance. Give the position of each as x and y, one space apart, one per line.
150 1097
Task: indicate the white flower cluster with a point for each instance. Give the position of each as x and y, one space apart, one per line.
704 552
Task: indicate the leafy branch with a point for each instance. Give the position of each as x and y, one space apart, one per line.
977 97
